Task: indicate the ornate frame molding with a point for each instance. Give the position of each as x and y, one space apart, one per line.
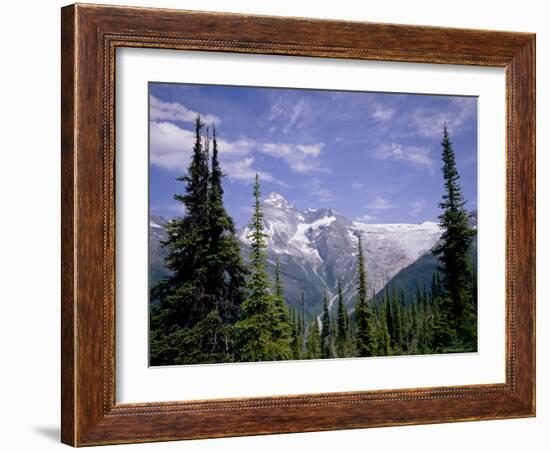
90 37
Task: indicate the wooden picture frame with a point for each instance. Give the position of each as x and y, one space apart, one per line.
90 36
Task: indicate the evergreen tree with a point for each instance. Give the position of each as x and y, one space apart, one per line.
474 290
436 287
225 279
259 335
425 323
303 327
365 334
406 322
342 333
397 331
282 326
296 344
413 328
453 252
442 334
333 336
390 327
326 351
192 303
384 339
303 312
313 343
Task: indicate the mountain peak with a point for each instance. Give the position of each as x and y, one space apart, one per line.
276 200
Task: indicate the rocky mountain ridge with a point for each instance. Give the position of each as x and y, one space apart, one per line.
318 247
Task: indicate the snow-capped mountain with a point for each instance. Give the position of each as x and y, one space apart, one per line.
318 247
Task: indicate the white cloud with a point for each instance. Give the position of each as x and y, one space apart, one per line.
380 203
242 171
320 192
246 209
171 147
429 123
300 158
382 113
365 218
357 185
286 113
173 111
297 110
417 206
411 154
238 148
313 150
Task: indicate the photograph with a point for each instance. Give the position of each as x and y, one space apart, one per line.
301 224
275 226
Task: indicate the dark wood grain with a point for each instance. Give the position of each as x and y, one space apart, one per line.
90 36
68 312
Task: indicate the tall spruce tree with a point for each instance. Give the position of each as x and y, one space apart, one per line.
281 325
226 274
186 323
453 251
326 345
296 343
257 339
342 334
365 334
313 342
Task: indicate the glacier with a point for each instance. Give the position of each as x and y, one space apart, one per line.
318 247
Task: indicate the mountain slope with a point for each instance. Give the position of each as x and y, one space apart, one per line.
318 247
420 272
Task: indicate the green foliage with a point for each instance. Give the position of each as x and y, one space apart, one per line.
263 333
326 331
282 325
296 343
343 348
366 334
383 339
453 252
225 278
211 308
313 343
199 301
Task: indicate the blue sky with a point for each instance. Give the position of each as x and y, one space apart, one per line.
373 157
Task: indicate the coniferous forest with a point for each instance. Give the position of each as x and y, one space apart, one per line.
215 307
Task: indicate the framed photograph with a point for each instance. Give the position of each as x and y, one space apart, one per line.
279 225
